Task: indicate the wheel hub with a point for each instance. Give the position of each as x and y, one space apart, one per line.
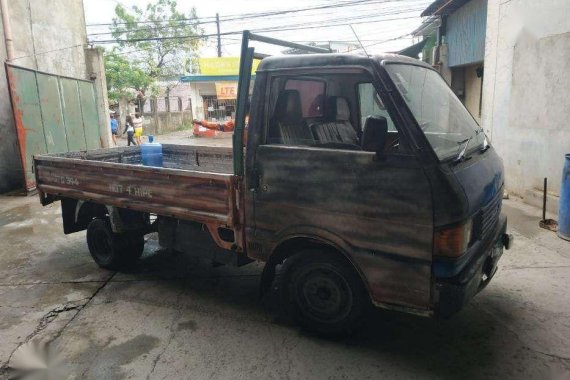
325 295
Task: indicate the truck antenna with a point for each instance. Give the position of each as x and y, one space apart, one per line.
358 39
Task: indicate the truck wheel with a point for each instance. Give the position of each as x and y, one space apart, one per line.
111 250
135 245
322 293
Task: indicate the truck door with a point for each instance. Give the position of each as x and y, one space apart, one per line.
317 177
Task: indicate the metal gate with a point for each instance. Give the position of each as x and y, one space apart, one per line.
53 114
218 109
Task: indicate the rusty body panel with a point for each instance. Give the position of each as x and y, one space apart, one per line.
183 188
360 205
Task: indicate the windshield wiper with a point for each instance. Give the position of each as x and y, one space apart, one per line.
461 156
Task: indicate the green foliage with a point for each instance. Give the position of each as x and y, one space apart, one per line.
164 56
124 76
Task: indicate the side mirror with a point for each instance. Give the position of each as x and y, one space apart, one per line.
374 135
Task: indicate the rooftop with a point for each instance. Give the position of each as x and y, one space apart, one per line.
443 7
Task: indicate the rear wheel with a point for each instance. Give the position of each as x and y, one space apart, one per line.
322 292
111 250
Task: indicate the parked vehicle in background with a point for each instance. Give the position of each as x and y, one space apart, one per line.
364 181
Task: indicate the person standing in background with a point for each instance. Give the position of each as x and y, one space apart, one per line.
114 128
130 130
138 125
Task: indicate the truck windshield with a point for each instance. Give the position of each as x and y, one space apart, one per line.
447 125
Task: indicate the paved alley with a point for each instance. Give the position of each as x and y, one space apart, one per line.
177 317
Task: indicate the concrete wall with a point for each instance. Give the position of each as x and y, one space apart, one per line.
197 89
95 65
54 31
525 95
472 91
48 36
164 122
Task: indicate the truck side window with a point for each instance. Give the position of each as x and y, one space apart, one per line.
371 105
312 95
298 100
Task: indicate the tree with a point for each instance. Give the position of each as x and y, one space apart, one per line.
124 77
163 40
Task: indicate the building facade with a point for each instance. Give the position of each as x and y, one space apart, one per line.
454 31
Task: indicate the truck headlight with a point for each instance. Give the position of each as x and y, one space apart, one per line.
452 241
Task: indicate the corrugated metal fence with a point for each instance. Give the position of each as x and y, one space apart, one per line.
466 30
53 114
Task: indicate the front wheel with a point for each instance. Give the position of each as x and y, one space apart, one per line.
322 292
111 250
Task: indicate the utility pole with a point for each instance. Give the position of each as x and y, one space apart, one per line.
8 31
219 39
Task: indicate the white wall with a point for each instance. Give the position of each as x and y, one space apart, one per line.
52 30
197 89
526 100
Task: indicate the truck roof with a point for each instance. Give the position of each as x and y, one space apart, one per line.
334 59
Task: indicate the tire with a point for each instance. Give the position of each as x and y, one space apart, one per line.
135 244
322 293
111 250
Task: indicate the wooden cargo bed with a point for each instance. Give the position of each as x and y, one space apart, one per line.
196 183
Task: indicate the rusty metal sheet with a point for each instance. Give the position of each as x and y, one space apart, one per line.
199 196
72 114
52 115
89 115
357 203
28 118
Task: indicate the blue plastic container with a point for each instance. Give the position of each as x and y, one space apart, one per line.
564 211
151 153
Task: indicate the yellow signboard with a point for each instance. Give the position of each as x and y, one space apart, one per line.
222 66
226 90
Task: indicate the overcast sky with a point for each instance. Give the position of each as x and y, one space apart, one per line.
373 20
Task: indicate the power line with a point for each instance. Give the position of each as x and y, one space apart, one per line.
49 51
240 17
259 14
196 21
320 22
271 29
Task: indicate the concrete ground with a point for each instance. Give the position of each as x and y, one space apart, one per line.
175 317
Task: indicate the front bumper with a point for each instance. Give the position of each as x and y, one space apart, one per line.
452 293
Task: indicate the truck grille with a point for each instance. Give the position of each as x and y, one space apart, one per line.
489 216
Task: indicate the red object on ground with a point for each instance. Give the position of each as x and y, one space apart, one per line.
200 131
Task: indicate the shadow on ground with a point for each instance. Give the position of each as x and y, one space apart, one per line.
472 344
